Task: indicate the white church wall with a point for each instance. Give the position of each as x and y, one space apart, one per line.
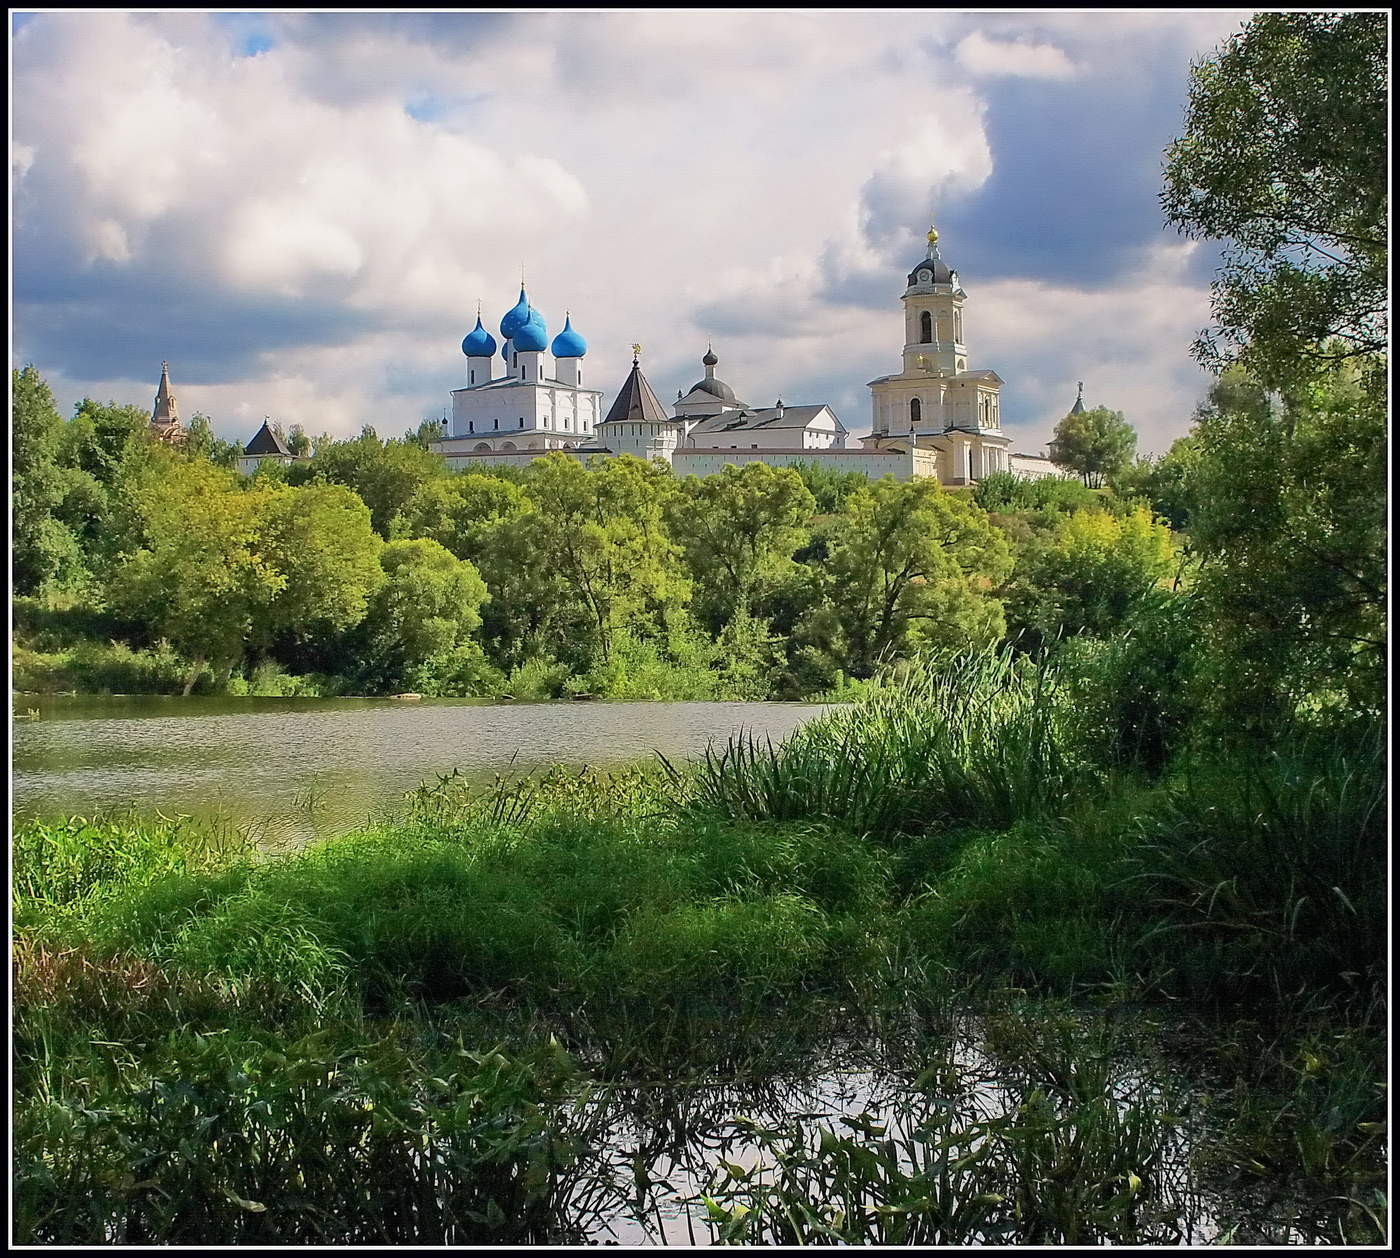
1031 467
902 465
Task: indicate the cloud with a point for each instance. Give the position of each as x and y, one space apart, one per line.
300 211
991 57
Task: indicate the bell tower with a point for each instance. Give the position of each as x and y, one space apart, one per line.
933 317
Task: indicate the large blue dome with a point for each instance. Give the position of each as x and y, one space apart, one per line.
530 335
568 344
478 343
515 316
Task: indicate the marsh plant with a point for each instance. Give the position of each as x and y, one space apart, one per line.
974 739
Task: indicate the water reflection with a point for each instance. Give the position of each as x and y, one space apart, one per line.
660 1150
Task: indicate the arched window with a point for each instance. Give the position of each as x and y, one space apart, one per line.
926 328
472 373
471 425
915 411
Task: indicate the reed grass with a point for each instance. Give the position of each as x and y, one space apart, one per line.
975 739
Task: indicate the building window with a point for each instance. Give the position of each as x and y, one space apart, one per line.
472 375
916 411
926 328
495 424
471 426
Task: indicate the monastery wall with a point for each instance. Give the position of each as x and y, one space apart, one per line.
902 465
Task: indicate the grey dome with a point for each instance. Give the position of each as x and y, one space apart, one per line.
942 273
717 388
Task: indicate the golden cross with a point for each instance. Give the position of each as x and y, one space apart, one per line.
636 352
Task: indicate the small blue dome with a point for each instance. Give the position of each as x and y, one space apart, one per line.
530 335
568 344
515 316
478 343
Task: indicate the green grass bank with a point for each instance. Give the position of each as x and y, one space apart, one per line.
400 1035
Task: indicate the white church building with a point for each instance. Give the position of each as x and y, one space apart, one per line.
534 404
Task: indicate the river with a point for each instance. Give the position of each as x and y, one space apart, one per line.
290 770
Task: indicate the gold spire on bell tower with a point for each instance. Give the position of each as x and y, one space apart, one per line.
932 234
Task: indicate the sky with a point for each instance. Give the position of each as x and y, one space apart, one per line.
300 212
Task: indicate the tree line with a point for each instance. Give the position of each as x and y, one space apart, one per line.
371 563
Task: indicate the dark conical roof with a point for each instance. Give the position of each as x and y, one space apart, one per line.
1078 407
636 403
265 441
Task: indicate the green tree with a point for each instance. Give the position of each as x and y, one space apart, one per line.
45 551
428 430
1096 443
297 441
1089 576
226 565
829 487
1289 521
319 540
1164 483
111 454
597 535
386 474
1285 155
910 568
419 626
201 443
203 580
461 512
738 531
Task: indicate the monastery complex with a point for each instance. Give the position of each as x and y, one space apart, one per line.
526 395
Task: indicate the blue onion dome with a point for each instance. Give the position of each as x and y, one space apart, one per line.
568 344
478 343
531 335
515 316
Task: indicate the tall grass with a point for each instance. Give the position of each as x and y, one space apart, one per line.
1263 874
225 1139
973 740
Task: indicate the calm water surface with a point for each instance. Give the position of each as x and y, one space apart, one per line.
294 769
